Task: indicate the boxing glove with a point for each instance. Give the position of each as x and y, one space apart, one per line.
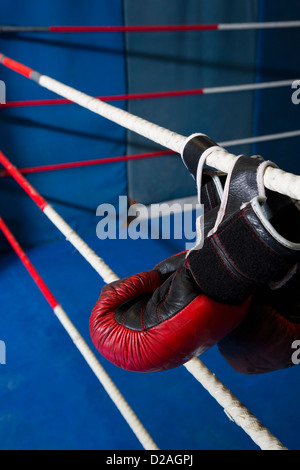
256 236
159 319
264 341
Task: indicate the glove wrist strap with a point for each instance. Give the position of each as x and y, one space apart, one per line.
242 255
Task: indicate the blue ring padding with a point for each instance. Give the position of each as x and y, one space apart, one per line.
93 63
51 400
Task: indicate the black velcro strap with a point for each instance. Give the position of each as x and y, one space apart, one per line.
193 150
238 258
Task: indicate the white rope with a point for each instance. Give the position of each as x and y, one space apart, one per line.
262 25
219 159
241 415
109 386
277 180
274 178
108 276
247 87
261 138
145 128
92 258
233 408
113 392
239 412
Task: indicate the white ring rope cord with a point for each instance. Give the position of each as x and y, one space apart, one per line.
247 87
220 159
92 258
258 25
149 130
105 380
239 413
234 409
108 276
274 178
260 138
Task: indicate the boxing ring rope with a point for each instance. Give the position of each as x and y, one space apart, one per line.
98 264
150 28
105 380
159 94
234 409
278 181
274 178
139 156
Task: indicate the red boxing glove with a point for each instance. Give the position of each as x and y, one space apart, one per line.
159 319
264 341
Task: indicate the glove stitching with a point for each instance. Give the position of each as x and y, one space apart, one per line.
231 222
256 237
250 230
232 262
216 251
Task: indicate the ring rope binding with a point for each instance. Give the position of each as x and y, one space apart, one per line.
108 385
231 405
274 178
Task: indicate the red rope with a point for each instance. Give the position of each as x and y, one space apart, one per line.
16 66
151 95
149 28
28 265
132 29
37 198
125 97
99 161
15 104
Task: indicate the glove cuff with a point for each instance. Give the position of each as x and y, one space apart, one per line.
195 146
246 251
